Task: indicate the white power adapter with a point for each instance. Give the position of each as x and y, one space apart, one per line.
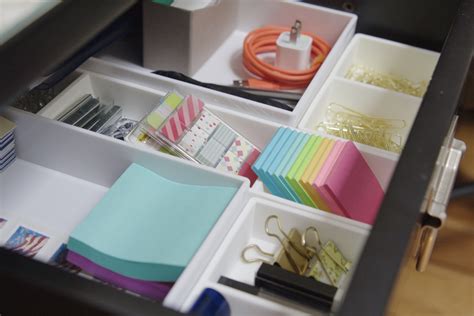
293 49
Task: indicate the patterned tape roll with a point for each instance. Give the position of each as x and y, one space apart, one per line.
189 110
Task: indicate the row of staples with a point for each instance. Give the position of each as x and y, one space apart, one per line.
7 143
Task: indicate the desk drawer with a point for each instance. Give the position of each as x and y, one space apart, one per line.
93 170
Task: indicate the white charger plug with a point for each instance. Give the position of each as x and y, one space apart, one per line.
293 49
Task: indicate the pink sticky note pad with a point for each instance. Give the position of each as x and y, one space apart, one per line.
354 186
322 176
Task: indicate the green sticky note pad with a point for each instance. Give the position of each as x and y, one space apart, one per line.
300 167
173 100
148 227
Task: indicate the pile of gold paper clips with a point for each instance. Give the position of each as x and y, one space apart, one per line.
378 132
368 75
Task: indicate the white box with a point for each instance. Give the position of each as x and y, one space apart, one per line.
249 228
383 56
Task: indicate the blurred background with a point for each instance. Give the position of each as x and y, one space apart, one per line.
447 286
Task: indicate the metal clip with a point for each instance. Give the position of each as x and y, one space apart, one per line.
437 197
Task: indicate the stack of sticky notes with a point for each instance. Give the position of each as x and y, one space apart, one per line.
321 172
188 129
146 229
7 143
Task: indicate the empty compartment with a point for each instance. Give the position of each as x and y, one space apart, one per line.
249 228
337 93
62 172
388 58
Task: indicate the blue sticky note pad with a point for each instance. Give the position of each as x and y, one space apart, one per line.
257 167
282 161
276 160
271 160
289 160
149 227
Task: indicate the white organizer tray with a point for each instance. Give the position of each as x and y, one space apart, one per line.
61 172
93 161
348 235
213 51
384 56
138 101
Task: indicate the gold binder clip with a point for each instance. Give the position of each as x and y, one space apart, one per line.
292 256
258 250
328 259
293 250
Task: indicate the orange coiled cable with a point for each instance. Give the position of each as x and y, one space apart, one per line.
263 40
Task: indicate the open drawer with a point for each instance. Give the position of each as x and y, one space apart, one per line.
60 158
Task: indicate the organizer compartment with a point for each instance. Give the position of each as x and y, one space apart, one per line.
215 50
64 171
364 99
136 101
383 56
388 57
348 235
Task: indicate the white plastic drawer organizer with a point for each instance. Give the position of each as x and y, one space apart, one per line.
63 182
65 171
375 78
52 159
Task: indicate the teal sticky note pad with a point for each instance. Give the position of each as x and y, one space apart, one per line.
268 162
290 159
149 227
279 161
257 167
275 159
